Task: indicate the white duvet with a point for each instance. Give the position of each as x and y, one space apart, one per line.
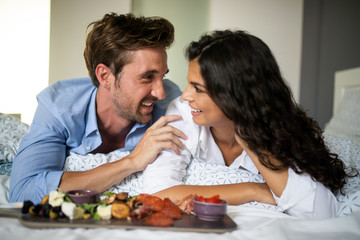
254 220
253 223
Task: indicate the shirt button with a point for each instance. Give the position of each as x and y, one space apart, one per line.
88 148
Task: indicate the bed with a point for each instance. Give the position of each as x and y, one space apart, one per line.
254 220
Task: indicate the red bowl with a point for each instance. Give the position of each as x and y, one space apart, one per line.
210 211
84 196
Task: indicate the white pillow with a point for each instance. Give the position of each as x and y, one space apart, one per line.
11 133
348 150
346 120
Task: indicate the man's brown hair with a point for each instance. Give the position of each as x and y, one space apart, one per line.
114 37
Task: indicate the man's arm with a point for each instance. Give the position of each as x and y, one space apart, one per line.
37 168
158 137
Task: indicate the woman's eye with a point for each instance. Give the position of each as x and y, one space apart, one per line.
198 90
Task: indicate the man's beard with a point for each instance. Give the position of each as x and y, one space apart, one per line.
125 109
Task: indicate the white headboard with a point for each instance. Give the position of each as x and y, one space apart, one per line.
349 78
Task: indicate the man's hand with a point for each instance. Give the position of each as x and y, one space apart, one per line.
158 137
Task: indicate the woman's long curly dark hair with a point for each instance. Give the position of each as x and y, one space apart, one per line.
244 80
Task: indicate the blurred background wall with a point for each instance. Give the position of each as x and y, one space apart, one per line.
297 31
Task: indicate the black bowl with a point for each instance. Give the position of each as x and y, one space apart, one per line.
210 211
84 196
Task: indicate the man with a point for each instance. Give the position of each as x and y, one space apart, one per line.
126 60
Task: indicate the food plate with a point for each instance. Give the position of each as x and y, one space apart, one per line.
189 223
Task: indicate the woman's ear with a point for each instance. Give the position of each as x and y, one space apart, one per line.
104 75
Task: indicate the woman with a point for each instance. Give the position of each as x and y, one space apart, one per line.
234 82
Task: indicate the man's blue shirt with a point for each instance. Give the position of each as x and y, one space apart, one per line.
65 121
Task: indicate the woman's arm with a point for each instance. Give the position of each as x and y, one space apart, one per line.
235 194
166 171
297 194
275 179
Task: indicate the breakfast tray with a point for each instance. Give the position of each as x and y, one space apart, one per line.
189 223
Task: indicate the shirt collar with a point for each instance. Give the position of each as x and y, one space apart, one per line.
204 138
91 120
242 161
139 126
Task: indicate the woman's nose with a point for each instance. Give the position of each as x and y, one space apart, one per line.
186 95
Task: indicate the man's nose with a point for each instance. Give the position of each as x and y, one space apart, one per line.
158 90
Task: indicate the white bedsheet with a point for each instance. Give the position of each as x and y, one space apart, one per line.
253 223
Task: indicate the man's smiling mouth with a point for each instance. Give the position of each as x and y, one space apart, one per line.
147 104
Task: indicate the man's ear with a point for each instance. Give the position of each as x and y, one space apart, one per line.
104 75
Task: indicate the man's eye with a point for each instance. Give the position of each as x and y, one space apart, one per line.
148 78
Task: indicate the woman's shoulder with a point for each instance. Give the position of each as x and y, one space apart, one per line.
180 107
186 123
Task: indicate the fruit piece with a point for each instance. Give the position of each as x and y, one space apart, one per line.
35 209
26 206
201 199
120 210
71 210
46 207
53 214
45 199
104 212
213 199
122 196
41 212
86 216
132 202
79 213
56 209
111 199
60 212
32 210
56 198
